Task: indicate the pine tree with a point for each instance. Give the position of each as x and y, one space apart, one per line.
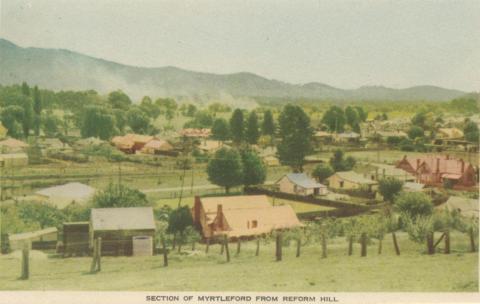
268 125
237 126
37 108
252 133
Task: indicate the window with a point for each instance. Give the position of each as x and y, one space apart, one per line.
341 184
254 224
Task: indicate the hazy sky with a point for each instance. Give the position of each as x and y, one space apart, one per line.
342 43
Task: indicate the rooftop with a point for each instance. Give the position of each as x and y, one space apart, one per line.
135 218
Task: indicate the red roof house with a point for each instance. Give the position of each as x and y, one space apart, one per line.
436 169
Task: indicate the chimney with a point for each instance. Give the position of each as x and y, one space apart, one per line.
462 163
196 209
220 215
438 165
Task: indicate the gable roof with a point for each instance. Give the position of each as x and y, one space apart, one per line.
139 138
466 206
135 218
446 163
158 144
348 135
211 145
31 234
191 132
234 202
268 219
451 133
13 143
354 177
302 180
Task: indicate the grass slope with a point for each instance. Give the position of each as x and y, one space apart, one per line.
195 271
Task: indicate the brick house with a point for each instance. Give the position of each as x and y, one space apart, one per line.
436 169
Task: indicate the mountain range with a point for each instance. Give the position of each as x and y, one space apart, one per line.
60 69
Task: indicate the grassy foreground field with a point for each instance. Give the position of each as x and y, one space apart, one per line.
196 271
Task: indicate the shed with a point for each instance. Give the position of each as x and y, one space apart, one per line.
118 226
39 239
63 195
350 180
14 160
12 145
300 184
75 238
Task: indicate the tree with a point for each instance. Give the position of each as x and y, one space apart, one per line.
334 119
253 169
138 120
118 195
237 126
98 122
225 168
351 116
362 114
50 124
339 163
45 215
149 108
415 132
322 172
12 117
37 108
27 121
268 125
178 221
295 137
252 133
471 132
414 204
202 119
389 187
119 100
220 129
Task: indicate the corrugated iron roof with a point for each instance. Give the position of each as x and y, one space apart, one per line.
302 180
355 177
74 191
135 218
235 202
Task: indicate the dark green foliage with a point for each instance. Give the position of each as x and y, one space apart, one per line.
225 168
254 172
334 119
394 140
118 195
98 122
220 129
268 124
45 215
237 127
252 133
414 204
295 137
149 108
352 118
12 117
119 100
471 132
202 119
466 104
50 124
138 121
37 108
415 132
322 172
389 187
179 219
339 163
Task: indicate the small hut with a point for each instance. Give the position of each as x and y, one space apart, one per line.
75 238
119 227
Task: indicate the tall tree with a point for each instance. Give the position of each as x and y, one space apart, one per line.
389 187
471 132
352 118
37 108
268 124
118 195
334 119
119 100
322 172
226 169
138 121
98 122
237 126
295 137
254 172
220 129
252 133
28 116
25 89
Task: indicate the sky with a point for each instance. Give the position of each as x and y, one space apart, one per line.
346 44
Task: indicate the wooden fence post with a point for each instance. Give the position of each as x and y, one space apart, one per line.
430 245
222 247
25 261
278 247
395 243
447 242
225 241
207 245
239 244
380 241
363 240
94 257
324 245
99 254
165 254
299 244
472 240
257 251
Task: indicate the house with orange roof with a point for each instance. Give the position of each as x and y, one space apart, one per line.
131 143
241 216
436 169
